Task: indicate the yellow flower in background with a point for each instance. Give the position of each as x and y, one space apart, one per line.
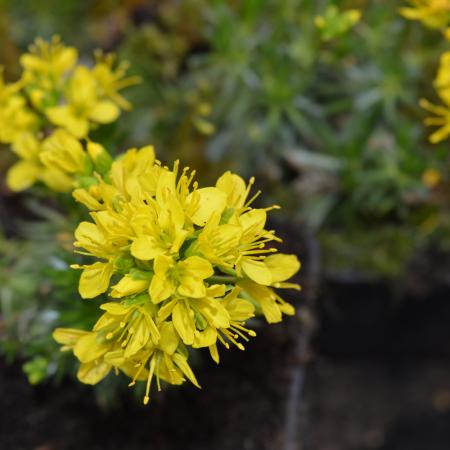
27 170
84 105
189 266
15 116
442 80
58 161
432 13
74 99
48 62
45 70
440 119
431 178
31 168
334 23
62 151
111 80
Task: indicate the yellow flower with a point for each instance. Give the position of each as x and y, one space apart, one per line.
15 116
190 316
30 169
127 338
442 113
88 350
62 151
335 23
111 81
432 13
238 312
431 178
84 105
442 80
47 62
441 119
183 277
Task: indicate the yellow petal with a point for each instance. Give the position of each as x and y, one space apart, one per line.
205 338
169 340
89 349
253 221
214 353
191 287
68 336
213 311
104 112
256 271
184 322
128 286
282 266
26 146
161 288
199 267
114 308
146 248
265 297
207 202
234 187
56 179
93 372
139 338
64 116
22 175
163 264
95 279
182 363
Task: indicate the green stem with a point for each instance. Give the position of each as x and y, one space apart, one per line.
222 279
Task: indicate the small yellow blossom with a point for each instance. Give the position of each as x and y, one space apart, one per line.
111 80
432 13
431 178
62 151
442 80
441 119
335 23
45 70
84 105
15 116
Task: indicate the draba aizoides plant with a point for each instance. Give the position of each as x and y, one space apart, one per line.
191 265
184 267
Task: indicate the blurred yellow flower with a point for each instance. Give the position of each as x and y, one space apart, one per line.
111 80
15 116
334 23
431 178
441 119
432 13
84 104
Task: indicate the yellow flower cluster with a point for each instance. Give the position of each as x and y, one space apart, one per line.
441 113
432 13
56 100
184 266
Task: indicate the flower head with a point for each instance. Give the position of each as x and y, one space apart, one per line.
188 266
